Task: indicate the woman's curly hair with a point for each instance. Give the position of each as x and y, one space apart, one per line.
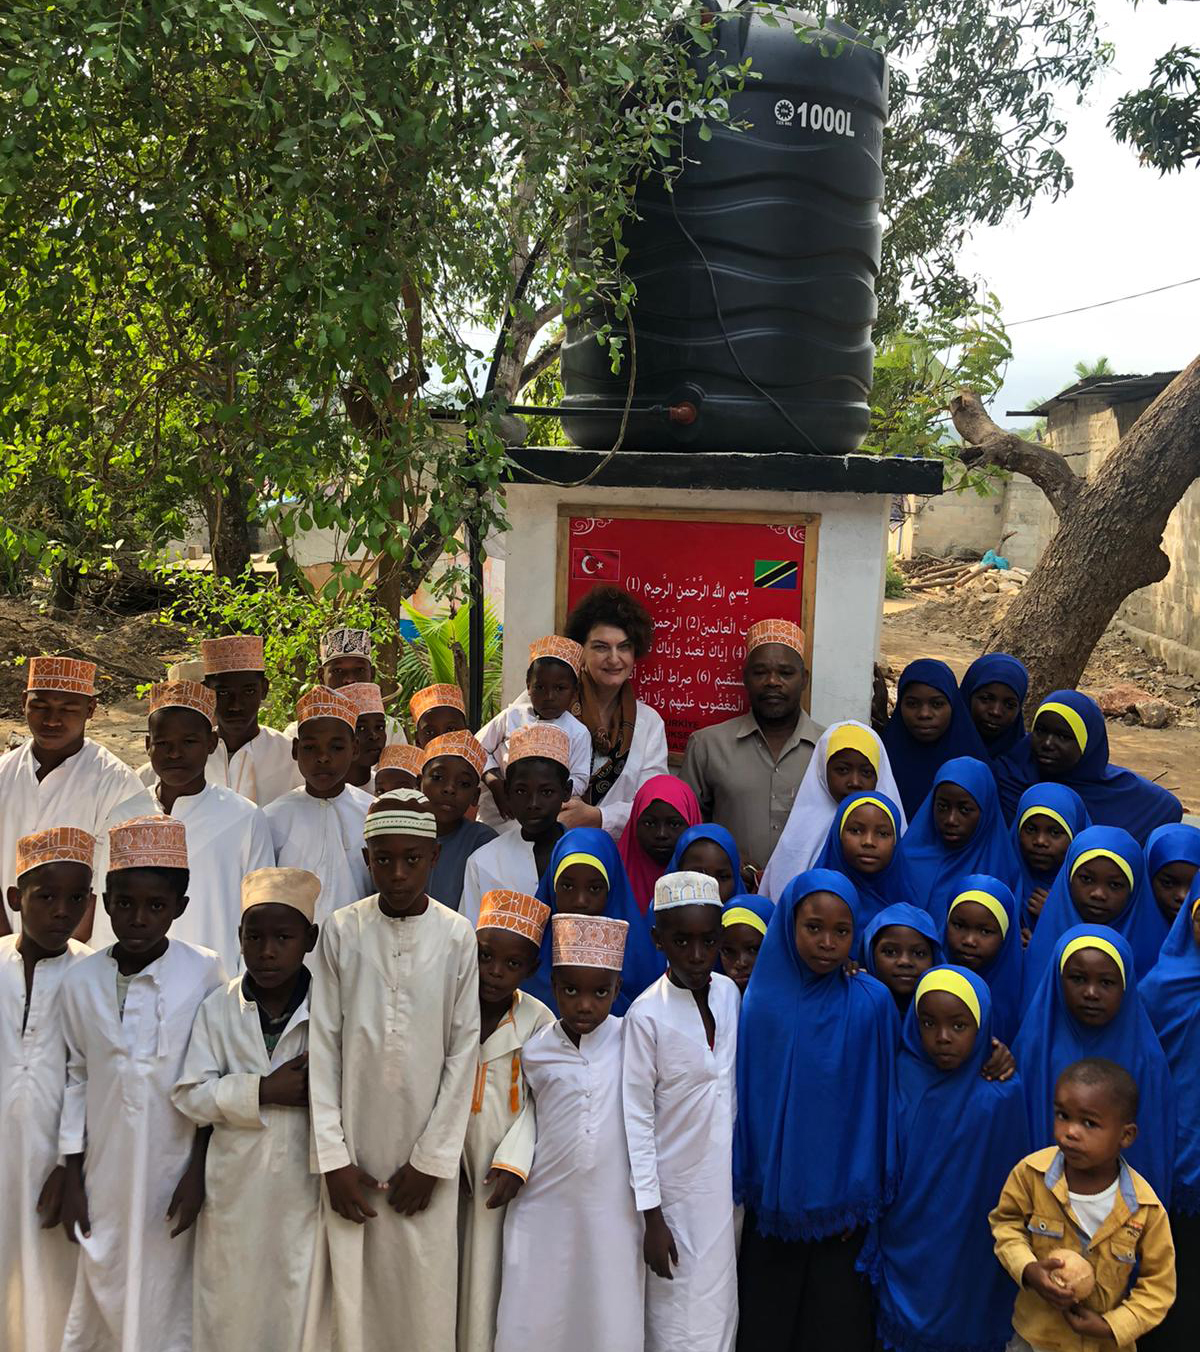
615 606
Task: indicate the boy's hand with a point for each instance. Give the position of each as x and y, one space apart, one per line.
578 813
409 1190
1036 1276
1087 1323
188 1197
74 1201
1000 1065
495 785
1037 899
348 1189
507 1185
287 1085
50 1199
658 1247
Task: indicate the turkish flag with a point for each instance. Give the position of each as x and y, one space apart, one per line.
595 565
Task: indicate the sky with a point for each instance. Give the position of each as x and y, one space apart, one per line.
1122 228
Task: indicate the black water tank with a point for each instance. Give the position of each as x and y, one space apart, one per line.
761 272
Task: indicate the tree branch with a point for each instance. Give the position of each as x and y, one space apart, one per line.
542 362
987 444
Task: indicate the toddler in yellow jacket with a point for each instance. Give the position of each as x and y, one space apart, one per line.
1081 1195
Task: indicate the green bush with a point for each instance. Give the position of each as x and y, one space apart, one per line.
894 583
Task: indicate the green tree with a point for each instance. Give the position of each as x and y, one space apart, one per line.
1162 121
1087 370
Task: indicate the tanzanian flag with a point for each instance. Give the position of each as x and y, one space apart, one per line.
776 574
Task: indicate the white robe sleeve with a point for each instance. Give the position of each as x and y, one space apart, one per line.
72 1127
491 737
639 1072
646 760
472 891
514 1154
260 846
207 1097
438 1150
325 1057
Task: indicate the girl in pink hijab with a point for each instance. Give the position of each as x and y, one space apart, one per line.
663 808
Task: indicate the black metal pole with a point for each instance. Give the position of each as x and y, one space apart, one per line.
475 627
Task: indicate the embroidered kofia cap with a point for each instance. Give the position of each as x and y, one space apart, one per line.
321 702
436 697
346 643
237 652
563 649
775 631
67 674
366 697
588 941
190 670
402 812
294 887
460 744
148 842
516 911
55 845
184 695
401 757
686 889
537 739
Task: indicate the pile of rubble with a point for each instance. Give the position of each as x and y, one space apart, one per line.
929 573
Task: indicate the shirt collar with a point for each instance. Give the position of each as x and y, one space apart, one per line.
746 725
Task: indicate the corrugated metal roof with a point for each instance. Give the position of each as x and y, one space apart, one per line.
1111 389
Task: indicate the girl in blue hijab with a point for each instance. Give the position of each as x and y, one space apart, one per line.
710 849
1171 994
959 1136
994 689
815 1141
949 838
1172 862
899 946
1102 882
590 855
863 845
1068 743
982 934
1049 817
1087 1005
744 921
930 726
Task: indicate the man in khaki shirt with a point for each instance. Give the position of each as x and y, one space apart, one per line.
745 771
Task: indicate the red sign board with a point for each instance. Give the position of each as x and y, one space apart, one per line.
705 581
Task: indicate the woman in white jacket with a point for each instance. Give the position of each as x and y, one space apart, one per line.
629 742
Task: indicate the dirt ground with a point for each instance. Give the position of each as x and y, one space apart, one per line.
1170 755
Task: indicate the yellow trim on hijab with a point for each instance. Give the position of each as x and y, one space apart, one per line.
953 983
589 859
742 915
1092 941
1036 811
1103 854
867 802
853 738
1195 904
1074 722
984 899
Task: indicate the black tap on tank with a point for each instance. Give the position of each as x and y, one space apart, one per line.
756 277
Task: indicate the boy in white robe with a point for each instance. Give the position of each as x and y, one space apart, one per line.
259 1246
573 1278
227 835
127 1015
435 711
551 688
60 777
679 1101
249 758
393 1042
501 1130
370 733
537 784
52 893
319 827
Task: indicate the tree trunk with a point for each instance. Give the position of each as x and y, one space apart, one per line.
64 595
1109 538
228 511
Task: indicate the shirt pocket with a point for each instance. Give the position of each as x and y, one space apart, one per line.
1044 1226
